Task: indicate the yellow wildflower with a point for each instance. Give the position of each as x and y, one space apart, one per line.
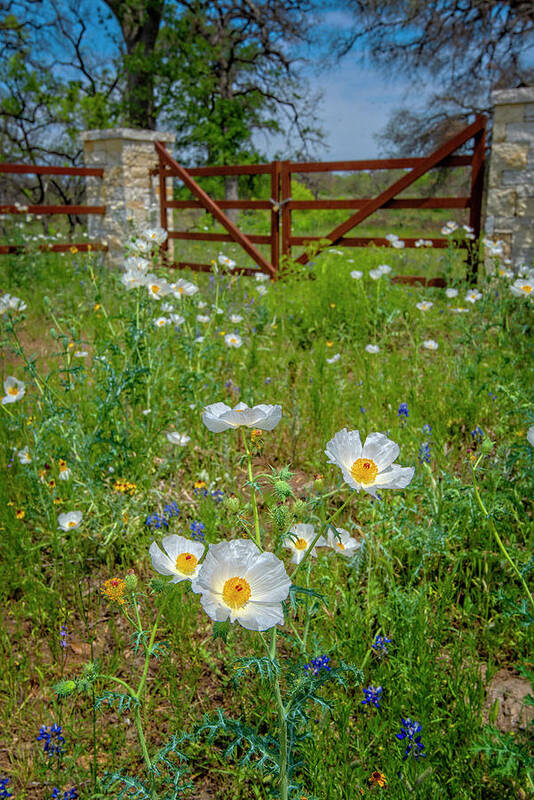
113 589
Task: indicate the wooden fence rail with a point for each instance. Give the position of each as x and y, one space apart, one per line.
62 209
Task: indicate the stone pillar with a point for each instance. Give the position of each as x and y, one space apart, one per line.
510 193
128 190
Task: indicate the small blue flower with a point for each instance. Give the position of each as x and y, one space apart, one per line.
477 434
197 529
403 411
427 429
52 739
155 521
414 745
362 409
317 664
171 510
380 645
3 790
217 495
64 636
424 453
372 696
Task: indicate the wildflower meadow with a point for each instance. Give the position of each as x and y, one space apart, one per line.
267 539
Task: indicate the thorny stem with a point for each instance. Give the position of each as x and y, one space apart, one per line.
252 493
496 533
282 721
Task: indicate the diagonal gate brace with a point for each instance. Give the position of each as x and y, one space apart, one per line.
406 180
215 210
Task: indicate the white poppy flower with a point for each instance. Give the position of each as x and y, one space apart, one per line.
70 520
233 340
199 339
356 274
182 288
181 439
201 304
391 237
261 290
261 277
146 411
472 296
334 358
155 235
385 269
451 293
420 243
219 417
136 264
424 305
224 261
375 274
180 558
11 303
24 456
202 318
299 539
218 310
235 319
161 322
238 582
530 435
505 273
342 542
80 354
177 319
429 243
430 344
167 307
523 288
460 310
133 280
14 390
369 467
372 348
398 244
156 288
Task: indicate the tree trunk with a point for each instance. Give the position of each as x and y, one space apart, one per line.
231 192
139 21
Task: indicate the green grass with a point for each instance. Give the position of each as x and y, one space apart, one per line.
429 574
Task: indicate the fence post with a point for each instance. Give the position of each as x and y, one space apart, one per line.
286 211
275 215
475 209
163 210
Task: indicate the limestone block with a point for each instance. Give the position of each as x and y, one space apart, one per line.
499 130
509 114
519 177
523 95
508 155
529 112
520 132
525 206
502 202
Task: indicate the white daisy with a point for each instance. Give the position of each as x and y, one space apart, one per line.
235 319
161 322
80 354
398 244
14 389
238 582
424 305
180 558
299 539
177 319
261 277
261 290
375 274
356 274
369 467
342 542
181 439
156 288
333 359
460 310
220 417
391 237
385 269
203 318
451 293
430 344
472 296
233 340
201 304
372 348
70 520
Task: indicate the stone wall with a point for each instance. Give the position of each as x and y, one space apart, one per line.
510 190
129 192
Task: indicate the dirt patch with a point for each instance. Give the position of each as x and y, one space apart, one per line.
509 689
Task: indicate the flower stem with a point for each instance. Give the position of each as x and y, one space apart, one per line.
252 493
497 537
308 552
282 724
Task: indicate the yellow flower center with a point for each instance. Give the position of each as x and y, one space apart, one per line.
236 592
180 290
186 563
13 390
364 470
301 544
71 524
340 545
526 288
155 288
